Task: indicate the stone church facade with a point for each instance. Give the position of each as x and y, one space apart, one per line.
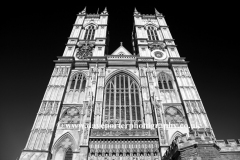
121 105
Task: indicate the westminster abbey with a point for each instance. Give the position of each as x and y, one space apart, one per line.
138 105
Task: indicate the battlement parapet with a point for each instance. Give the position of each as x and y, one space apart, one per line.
198 145
228 145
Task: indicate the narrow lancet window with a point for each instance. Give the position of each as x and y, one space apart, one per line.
165 81
90 32
166 86
152 33
78 82
76 89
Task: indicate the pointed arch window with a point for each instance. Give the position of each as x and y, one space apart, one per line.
76 89
165 81
166 85
69 154
152 33
78 82
122 101
90 32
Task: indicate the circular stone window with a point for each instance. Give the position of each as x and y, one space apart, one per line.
158 54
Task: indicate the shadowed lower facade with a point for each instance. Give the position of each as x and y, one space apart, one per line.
123 105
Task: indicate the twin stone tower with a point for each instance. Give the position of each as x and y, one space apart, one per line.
142 105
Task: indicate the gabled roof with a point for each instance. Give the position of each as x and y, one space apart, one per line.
121 51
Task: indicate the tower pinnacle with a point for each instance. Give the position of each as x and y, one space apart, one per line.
83 11
156 12
135 11
105 11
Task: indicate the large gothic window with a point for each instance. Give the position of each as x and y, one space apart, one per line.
76 89
89 34
122 101
167 92
152 33
69 154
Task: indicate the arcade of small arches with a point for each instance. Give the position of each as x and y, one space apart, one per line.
141 148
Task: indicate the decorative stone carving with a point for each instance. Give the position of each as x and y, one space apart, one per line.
84 50
123 133
71 115
43 107
55 108
124 149
157 45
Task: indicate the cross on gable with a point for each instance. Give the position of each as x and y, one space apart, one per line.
121 51
72 111
66 143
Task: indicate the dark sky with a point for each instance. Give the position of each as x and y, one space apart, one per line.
207 35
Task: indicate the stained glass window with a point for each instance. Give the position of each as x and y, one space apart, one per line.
71 115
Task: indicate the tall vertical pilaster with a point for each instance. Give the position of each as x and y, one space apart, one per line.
40 139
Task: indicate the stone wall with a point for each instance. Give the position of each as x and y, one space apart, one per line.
202 147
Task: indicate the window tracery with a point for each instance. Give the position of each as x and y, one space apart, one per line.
89 33
167 90
122 101
78 82
76 89
164 81
173 116
152 33
64 147
71 115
